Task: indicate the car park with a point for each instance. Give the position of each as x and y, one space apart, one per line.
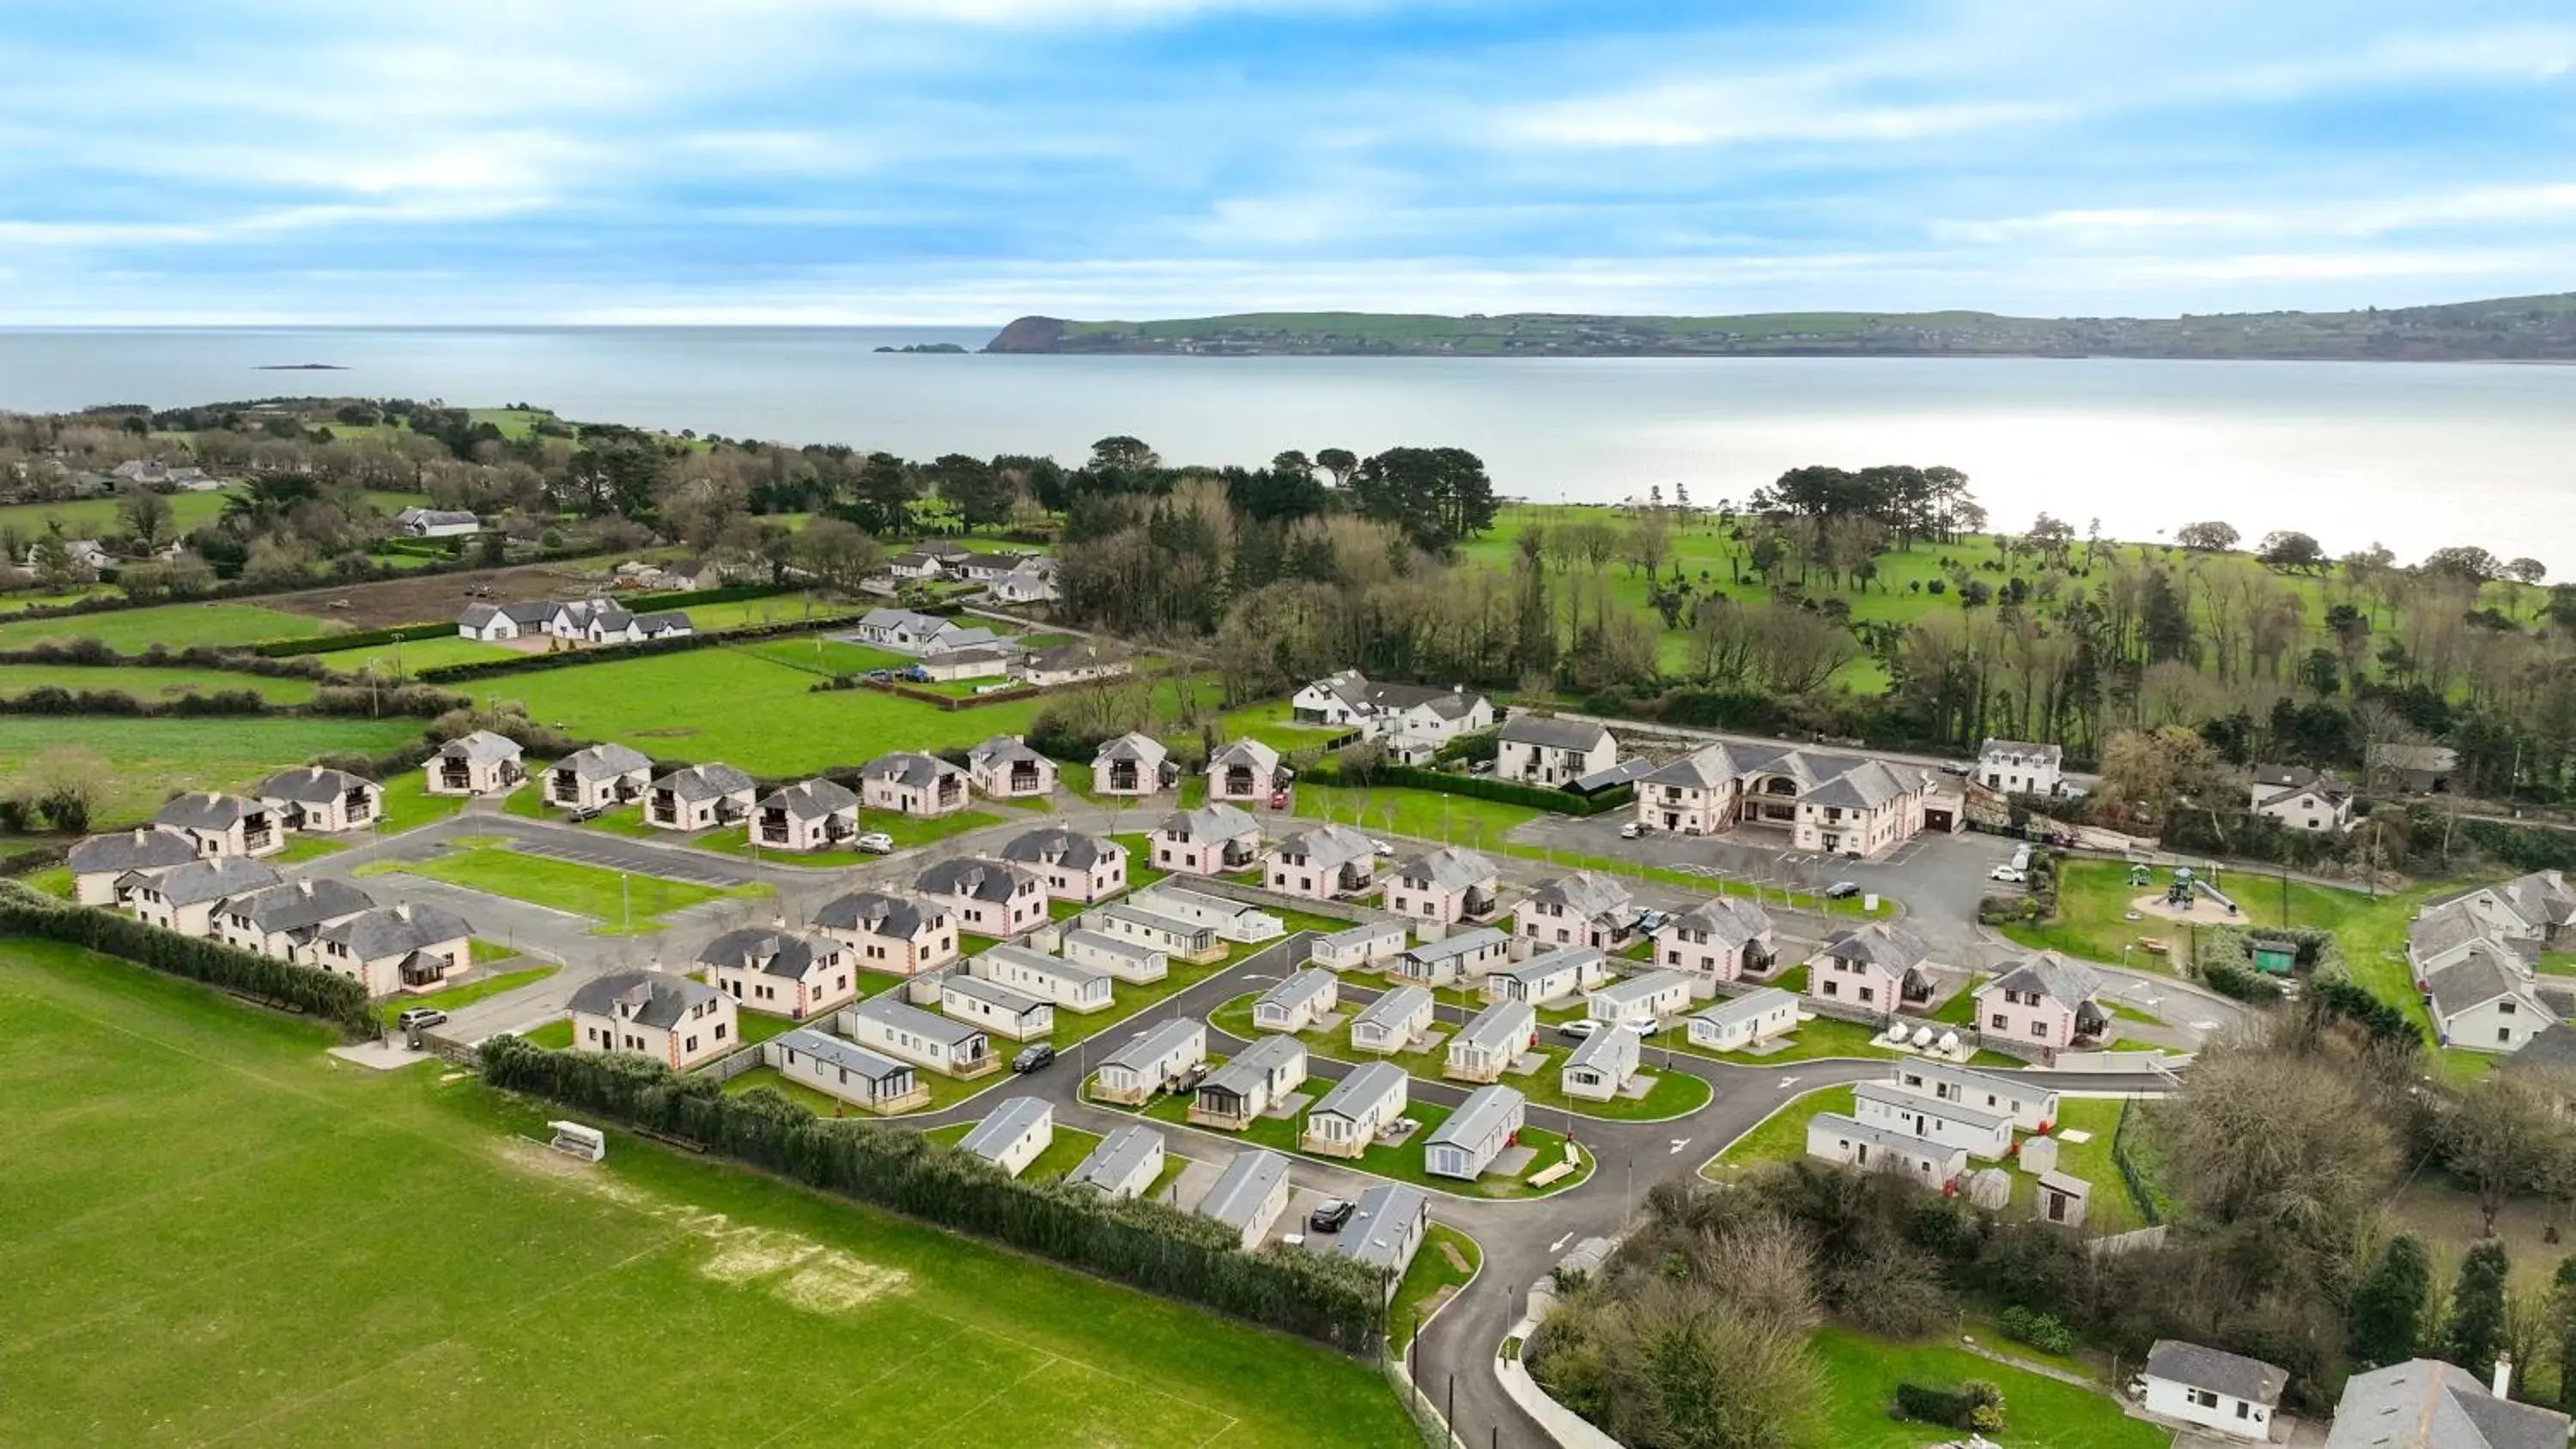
1033 1057
1330 1215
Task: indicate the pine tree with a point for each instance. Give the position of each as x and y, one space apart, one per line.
2388 1307
2476 1331
2562 1328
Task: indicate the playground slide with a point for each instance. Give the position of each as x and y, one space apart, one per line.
2211 891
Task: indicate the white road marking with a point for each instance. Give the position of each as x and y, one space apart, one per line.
1559 1245
1678 1144
1788 1081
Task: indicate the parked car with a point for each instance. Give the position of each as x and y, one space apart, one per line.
580 813
1330 1214
1033 1057
419 1018
875 842
1381 847
1957 767
1481 767
1579 1028
1842 890
1632 830
1651 920
2008 875
1278 799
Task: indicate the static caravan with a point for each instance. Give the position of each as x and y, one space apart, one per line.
1837 1138
2032 1108
1393 1022
1548 976
844 1071
1298 1002
1973 1130
1013 1136
1647 996
995 1007
1151 1061
1596 1070
1491 1042
1125 1164
1387 1226
1231 920
1466 955
1170 935
1359 1107
1249 1196
1746 1021
1067 984
1359 948
1467 1144
1237 1093
881 1023
1127 960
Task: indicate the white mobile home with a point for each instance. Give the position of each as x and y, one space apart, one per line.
995 1007
1249 1195
845 1071
1231 920
1358 948
1548 976
1387 1226
1598 1068
1745 1022
1013 1136
1068 984
1837 1138
1125 1163
1647 996
1466 1144
1356 1110
1491 1041
1298 1002
2031 1108
1973 1130
1235 1094
884 1024
1151 1061
1170 935
1461 957
2226 1392
1124 959
1393 1022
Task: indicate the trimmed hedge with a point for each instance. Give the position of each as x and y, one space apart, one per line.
721 594
355 639
1975 1406
305 989
54 699
610 653
1481 787
1146 1244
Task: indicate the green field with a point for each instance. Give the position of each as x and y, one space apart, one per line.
1862 1372
413 656
153 759
623 903
734 706
1421 814
131 631
1431 1273
213 1231
151 684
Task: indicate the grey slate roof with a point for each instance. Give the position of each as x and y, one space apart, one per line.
906 767
2551 1049
1867 785
878 913
207 810
1553 734
665 621
706 782
1730 919
849 1056
1003 750
1365 1086
1476 1118
1747 1007
482 746
2443 928
1145 750
975 877
812 799
1588 895
2053 754
149 847
1245 752
1381 1219
1244 1186
1210 822
1054 845
659 999
2279 782
887 1010
1013 1119
1891 948
296 904
390 930
2474 980
1118 1157
772 953
2427 1404
310 785
204 881
1448 868
604 762
1329 847
2232 1374
2051 975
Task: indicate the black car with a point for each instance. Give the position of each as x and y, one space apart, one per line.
1329 1215
1032 1058
1841 890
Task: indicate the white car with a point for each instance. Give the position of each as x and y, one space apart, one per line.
875 842
2009 875
1579 1028
1631 830
1381 847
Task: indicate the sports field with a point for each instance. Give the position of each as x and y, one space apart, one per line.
215 1234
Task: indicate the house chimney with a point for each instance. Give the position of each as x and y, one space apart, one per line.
402 909
2503 1374
305 886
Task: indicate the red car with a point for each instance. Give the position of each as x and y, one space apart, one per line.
1278 799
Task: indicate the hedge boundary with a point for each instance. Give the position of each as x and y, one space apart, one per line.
611 653
1480 787
304 989
1145 1244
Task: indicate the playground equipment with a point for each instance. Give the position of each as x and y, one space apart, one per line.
2140 877
2185 885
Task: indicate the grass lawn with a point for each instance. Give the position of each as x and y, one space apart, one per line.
1140 849
389 661
153 759
2111 1210
2558 963
1674 1094
1422 814
213 1231
1779 1137
823 655
151 684
465 995
301 846
409 805
606 896
1273 725
1430 1274
1861 1374
131 631
746 710
1064 1150
908 831
1403 1163
756 1027
554 1036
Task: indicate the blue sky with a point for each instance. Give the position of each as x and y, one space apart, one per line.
970 160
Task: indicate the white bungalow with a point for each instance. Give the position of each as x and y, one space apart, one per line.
2237 1396
1127 960
1548 976
1394 1022
1298 1002
1491 1041
1360 948
1014 1135
1467 1143
995 1007
1153 1060
1465 956
956 1048
1601 1064
1647 996
1355 1111
1745 1022
845 1071
1068 984
1972 1130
